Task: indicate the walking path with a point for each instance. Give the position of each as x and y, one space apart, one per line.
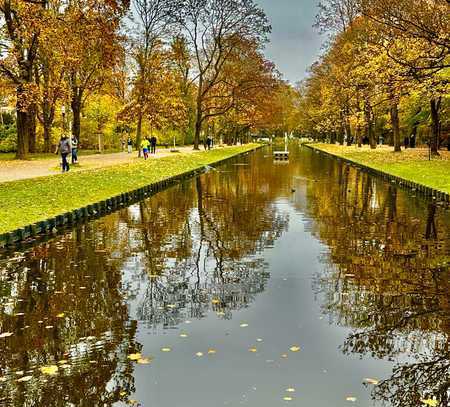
13 170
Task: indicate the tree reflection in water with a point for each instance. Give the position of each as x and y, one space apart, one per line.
180 254
388 279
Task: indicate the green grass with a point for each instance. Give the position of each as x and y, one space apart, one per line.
412 165
28 201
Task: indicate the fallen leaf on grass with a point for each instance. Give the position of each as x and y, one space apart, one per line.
50 370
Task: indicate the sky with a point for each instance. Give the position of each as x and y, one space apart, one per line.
295 44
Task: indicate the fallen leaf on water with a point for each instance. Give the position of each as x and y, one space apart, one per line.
221 314
259 340
243 325
253 350
351 399
135 356
171 306
183 335
25 379
49 327
19 314
430 402
290 390
122 393
199 354
66 366
50 370
61 315
62 362
133 402
144 361
6 335
187 322
212 351
284 356
166 349
215 301
368 380
287 398
294 348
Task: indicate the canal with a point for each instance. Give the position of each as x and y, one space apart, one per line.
257 284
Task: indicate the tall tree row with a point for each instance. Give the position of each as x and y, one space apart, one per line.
385 72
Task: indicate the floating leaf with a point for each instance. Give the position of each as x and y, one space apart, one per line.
430 402
183 335
221 314
244 325
144 361
25 379
6 335
284 356
351 399
290 390
368 380
215 301
259 340
166 350
253 350
199 354
62 362
135 356
294 348
287 398
212 351
49 327
50 370
61 315
122 393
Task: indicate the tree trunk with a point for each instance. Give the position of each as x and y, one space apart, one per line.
75 104
32 130
22 135
435 105
198 125
47 136
139 133
395 126
369 124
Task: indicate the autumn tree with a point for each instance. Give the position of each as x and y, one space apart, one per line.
214 30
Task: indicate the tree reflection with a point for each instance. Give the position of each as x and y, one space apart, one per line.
388 279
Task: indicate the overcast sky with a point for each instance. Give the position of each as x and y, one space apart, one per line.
295 43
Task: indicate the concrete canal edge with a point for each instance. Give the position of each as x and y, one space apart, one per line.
51 226
421 189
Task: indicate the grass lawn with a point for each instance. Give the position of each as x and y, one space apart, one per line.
28 201
412 164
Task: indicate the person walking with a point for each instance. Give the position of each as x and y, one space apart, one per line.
209 142
153 142
145 146
130 145
64 148
74 144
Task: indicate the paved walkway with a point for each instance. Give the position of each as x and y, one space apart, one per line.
14 170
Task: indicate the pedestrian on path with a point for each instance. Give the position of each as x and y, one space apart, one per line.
64 148
145 145
153 142
74 142
130 145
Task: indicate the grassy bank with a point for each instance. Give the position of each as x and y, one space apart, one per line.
412 164
25 202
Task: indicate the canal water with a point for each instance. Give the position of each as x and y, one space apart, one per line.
258 284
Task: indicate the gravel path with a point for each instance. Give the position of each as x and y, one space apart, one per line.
14 170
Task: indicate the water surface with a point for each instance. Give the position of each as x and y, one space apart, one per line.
237 286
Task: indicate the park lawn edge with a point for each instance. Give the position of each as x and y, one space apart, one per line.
28 201
416 171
